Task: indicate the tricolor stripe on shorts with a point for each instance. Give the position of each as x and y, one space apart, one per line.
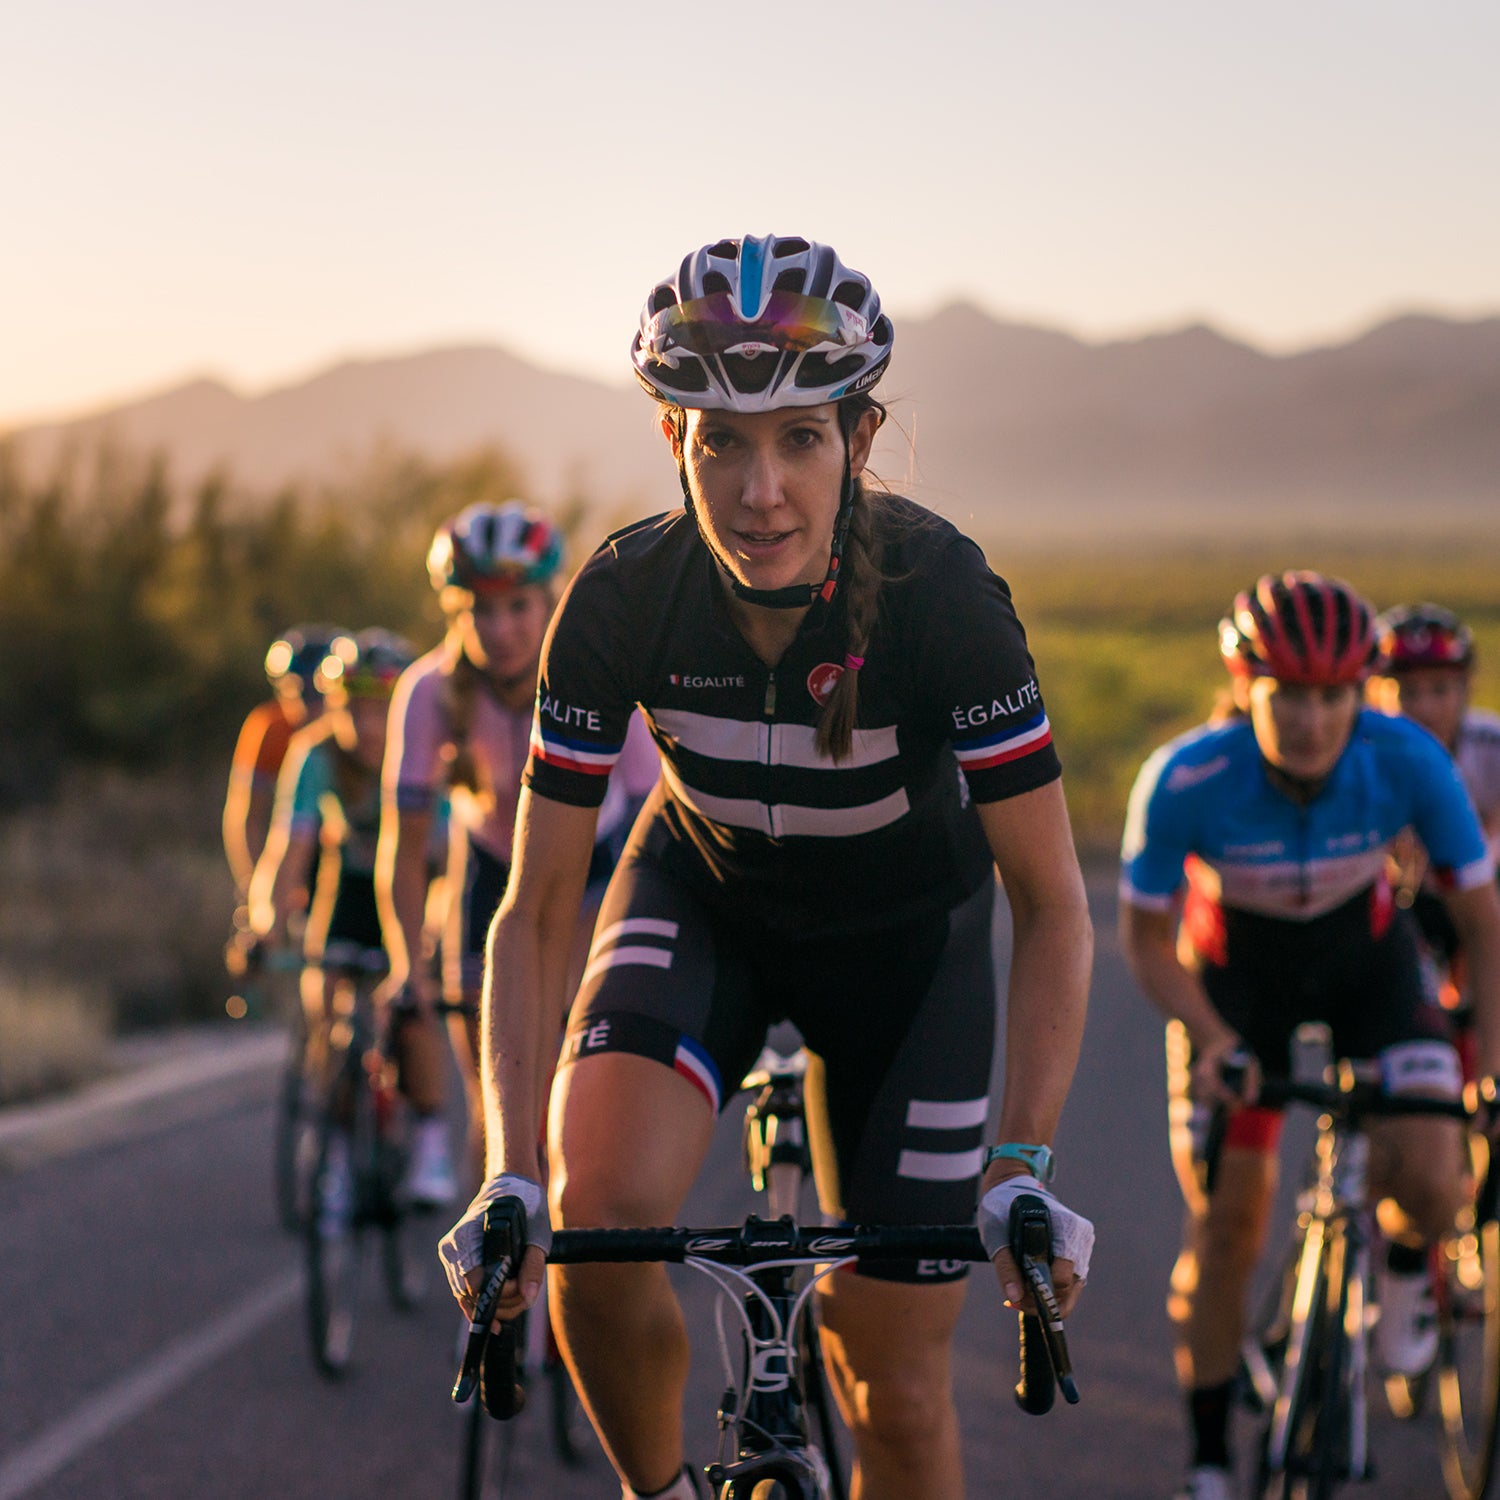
694 1063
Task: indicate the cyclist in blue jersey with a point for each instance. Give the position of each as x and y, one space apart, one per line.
1253 899
852 741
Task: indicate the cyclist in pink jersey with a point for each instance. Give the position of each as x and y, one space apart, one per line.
460 726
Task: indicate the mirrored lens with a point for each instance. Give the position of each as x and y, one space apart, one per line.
790 324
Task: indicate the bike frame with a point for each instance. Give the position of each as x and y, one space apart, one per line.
1329 1294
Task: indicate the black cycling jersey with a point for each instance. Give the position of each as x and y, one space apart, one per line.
750 814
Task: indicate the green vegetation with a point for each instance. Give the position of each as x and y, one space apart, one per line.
1127 652
135 616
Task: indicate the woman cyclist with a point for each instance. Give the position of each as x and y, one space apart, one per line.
291 663
1427 673
852 741
329 795
459 727
1277 827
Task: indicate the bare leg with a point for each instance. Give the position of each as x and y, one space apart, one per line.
1212 1278
888 1348
628 1136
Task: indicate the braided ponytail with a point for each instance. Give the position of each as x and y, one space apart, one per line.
860 578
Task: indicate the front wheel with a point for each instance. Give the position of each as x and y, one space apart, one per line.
1468 1361
295 1146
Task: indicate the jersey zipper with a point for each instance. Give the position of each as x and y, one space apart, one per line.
769 710
1304 884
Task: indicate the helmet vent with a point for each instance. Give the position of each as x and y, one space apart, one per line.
790 280
850 293
715 281
749 375
724 250
818 370
663 297
792 246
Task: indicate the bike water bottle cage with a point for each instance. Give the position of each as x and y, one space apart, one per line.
1038 1160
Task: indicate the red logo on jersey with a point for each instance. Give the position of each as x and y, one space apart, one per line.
822 680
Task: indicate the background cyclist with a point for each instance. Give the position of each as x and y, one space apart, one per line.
329 796
1426 672
291 663
1276 829
459 728
811 656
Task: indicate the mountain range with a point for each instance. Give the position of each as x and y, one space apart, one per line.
1004 425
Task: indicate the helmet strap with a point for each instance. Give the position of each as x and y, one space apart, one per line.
796 595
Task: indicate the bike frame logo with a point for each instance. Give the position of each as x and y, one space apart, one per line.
770 1369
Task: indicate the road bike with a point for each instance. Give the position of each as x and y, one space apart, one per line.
265 987
777 1436
360 1159
1307 1359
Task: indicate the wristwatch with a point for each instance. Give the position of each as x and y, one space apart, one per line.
1039 1159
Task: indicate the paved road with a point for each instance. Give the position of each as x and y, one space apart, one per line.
152 1347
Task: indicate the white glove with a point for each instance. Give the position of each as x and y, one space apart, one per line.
1072 1234
462 1248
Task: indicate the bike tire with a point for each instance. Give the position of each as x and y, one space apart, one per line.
295 1140
565 1418
1298 1371
826 1424
488 1458
1468 1362
335 1232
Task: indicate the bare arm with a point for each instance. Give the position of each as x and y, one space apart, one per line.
526 976
281 875
1149 940
1476 915
401 891
247 819
1032 843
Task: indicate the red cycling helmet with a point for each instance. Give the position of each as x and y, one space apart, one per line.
1300 627
1423 635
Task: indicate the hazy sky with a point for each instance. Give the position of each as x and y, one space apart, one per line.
190 186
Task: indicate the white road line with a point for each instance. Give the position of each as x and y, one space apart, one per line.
112 1407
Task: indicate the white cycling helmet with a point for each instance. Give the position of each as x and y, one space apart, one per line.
763 322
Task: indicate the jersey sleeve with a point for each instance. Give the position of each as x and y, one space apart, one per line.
978 675
1445 819
415 736
1158 838
305 779
585 694
261 747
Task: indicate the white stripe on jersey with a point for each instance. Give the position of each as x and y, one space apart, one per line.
785 819
769 744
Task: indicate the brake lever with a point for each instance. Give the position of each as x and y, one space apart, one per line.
1045 1361
504 1240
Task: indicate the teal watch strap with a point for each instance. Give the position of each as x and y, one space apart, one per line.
1038 1158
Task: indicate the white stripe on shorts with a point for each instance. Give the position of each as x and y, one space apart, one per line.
657 958
940 1166
937 1114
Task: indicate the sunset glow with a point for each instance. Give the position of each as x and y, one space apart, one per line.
192 190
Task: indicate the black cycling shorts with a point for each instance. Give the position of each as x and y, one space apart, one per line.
902 1020
354 940
1359 974
485 879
